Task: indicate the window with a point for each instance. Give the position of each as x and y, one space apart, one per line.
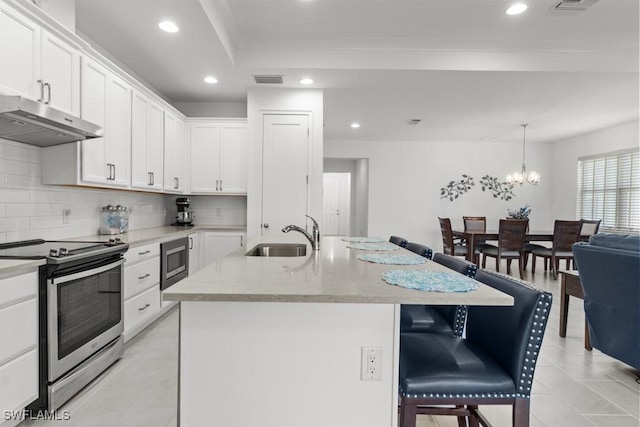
609 189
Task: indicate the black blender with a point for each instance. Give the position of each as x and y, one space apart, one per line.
184 217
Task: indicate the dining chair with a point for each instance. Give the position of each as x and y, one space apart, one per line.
449 244
476 223
511 235
447 319
400 241
565 234
590 227
493 365
419 249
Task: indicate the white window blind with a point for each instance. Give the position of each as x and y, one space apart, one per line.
609 189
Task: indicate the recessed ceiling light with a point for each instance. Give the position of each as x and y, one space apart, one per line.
355 125
210 80
306 81
168 26
517 8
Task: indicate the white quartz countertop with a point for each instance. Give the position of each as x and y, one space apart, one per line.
159 234
134 238
331 275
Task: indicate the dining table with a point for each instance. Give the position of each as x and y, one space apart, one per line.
473 237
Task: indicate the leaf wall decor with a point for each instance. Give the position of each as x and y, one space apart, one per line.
502 190
454 189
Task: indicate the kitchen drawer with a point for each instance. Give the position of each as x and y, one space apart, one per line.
141 276
141 253
140 307
18 329
19 381
18 288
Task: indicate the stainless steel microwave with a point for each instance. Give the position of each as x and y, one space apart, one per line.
174 262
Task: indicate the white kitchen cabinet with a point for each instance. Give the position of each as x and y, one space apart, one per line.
37 64
218 157
106 161
174 153
19 352
141 287
147 148
194 253
216 244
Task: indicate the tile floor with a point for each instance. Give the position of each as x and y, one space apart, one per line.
573 387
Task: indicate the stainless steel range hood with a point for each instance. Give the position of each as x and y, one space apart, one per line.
35 123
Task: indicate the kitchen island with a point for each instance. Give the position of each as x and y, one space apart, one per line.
279 341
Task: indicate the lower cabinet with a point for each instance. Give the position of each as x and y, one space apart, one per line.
141 287
19 349
140 308
216 244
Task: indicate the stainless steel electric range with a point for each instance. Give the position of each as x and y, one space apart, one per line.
81 312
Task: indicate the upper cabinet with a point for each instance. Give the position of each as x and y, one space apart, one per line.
106 101
147 147
218 157
175 148
41 67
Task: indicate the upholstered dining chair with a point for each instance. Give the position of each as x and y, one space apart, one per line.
476 223
493 365
400 241
447 319
511 235
419 249
590 227
565 234
449 246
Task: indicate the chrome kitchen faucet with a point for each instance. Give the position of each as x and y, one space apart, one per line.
314 239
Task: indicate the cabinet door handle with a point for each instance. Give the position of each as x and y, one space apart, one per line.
143 308
150 178
241 241
48 86
153 178
41 82
265 225
144 277
220 185
144 253
176 182
110 172
190 242
114 172
217 181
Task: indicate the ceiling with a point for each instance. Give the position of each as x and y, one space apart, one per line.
467 70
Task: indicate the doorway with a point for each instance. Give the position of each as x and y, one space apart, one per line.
336 203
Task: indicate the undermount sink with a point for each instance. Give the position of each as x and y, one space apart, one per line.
278 249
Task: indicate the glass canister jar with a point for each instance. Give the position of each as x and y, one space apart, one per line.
109 220
123 216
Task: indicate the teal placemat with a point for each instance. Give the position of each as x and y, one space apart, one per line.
384 246
425 280
393 258
363 239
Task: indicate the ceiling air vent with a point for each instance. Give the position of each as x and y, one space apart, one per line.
268 80
575 5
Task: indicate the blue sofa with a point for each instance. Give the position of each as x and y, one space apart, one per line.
609 268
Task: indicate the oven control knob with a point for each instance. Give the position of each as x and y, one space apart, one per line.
54 253
118 241
64 251
112 242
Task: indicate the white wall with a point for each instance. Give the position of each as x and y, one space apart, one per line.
405 178
282 101
565 156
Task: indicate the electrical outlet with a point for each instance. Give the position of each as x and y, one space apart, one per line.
66 212
371 364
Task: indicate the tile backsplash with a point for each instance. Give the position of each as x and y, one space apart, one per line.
29 209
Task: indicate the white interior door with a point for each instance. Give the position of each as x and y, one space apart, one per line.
285 169
336 200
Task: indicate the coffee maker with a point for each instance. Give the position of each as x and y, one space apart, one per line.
184 217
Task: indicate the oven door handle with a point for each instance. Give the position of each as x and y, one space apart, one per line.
83 274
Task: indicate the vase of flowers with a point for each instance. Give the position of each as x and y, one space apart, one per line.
522 213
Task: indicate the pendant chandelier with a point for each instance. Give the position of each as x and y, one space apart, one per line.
532 177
